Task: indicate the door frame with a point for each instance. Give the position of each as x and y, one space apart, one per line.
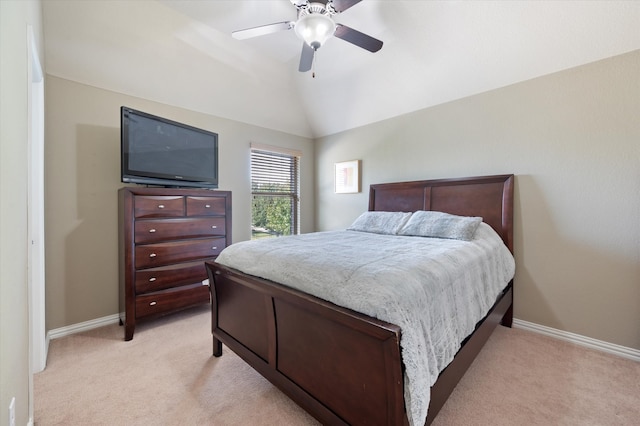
35 210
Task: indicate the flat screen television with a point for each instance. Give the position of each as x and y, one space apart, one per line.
160 152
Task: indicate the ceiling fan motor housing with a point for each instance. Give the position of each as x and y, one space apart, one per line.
314 24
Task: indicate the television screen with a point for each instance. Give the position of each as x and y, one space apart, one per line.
158 151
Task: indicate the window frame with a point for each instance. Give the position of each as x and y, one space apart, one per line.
277 173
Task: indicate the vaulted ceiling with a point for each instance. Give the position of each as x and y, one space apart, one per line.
181 53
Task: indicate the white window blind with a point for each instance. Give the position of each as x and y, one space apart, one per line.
274 172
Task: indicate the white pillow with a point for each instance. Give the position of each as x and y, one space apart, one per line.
441 225
380 222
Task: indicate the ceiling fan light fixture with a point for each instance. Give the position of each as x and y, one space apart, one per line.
315 29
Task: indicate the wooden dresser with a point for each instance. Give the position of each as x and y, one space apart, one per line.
166 235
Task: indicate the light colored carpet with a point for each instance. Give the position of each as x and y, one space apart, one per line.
167 376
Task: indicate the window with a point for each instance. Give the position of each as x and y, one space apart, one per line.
275 189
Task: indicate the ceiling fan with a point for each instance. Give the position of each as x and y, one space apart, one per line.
315 25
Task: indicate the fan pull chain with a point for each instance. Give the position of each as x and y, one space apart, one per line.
313 64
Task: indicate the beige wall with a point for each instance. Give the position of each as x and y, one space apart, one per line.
82 176
15 17
573 141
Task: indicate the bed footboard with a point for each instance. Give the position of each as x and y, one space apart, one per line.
341 366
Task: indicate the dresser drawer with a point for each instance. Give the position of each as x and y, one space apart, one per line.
170 300
154 279
160 254
205 206
158 206
149 231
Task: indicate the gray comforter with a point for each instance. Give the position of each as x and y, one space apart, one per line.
435 289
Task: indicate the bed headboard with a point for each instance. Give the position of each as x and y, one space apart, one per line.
490 197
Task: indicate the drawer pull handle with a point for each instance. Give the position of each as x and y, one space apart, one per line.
214 227
152 279
161 206
152 230
207 205
153 303
214 248
152 255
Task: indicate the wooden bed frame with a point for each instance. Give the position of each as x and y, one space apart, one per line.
341 366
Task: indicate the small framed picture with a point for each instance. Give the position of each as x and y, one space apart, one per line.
347 177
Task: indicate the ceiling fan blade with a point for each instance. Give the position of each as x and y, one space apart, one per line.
356 37
262 30
342 5
306 58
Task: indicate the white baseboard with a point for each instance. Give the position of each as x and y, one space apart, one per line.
588 342
77 328
82 326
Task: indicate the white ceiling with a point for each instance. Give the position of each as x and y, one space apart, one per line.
181 52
